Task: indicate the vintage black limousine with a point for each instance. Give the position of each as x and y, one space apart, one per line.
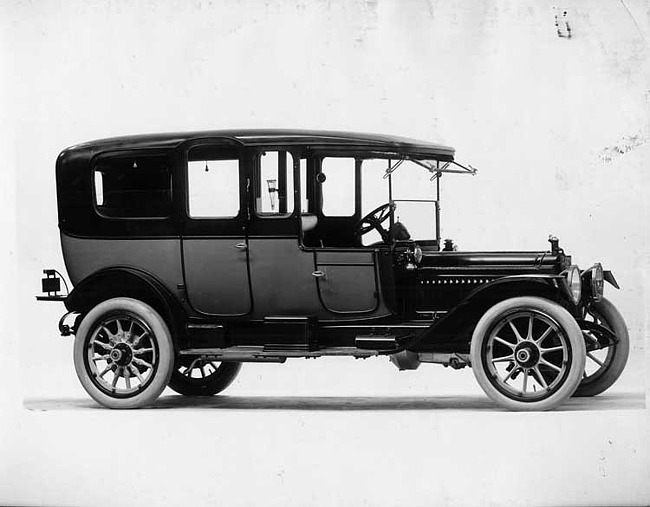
193 253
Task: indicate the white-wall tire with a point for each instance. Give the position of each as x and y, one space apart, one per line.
123 353
530 337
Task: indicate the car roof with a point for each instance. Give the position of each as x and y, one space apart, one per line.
282 137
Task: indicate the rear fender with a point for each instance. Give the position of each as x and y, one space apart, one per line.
126 282
453 332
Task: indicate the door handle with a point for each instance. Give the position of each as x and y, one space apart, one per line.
318 274
241 246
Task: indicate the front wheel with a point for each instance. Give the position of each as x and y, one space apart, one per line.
528 353
123 353
195 376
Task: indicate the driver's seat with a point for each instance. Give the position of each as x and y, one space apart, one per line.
399 232
308 222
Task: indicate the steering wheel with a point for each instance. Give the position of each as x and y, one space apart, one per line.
373 220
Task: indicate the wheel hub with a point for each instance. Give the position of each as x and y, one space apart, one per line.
121 354
527 355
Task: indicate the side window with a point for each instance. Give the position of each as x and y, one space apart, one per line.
338 188
134 186
374 193
274 194
212 184
304 201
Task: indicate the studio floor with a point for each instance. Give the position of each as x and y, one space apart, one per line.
329 432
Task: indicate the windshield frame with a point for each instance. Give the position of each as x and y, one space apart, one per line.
434 167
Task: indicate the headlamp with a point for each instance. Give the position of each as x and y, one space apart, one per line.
597 281
417 254
574 282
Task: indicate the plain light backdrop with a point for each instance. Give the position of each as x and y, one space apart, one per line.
558 128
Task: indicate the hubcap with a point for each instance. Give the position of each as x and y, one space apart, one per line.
523 356
527 355
121 355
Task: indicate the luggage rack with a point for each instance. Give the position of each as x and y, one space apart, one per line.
51 284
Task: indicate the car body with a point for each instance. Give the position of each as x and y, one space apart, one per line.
191 253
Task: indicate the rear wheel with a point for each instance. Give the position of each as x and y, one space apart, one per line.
528 353
604 365
123 353
195 376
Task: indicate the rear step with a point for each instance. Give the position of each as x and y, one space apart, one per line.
291 333
376 342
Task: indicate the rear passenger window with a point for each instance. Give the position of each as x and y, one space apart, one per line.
134 186
213 183
274 194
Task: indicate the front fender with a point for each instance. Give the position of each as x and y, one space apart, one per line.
453 332
609 277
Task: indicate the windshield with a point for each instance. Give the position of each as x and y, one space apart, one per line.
413 193
350 200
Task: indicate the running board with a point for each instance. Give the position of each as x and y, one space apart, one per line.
266 355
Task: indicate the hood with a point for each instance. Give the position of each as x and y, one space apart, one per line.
495 263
